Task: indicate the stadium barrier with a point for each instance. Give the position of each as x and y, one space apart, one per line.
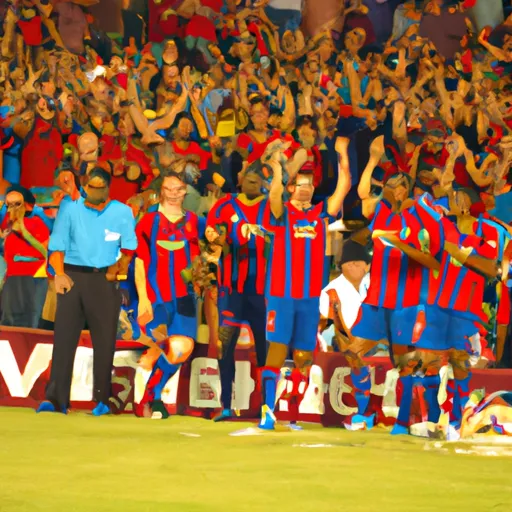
25 361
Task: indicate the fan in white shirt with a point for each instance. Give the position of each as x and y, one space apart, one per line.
340 301
350 287
352 297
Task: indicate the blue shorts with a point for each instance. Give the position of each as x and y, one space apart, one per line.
179 316
443 330
394 325
372 323
459 331
293 322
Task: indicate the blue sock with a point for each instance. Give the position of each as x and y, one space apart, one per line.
404 412
362 384
431 386
227 375
461 397
269 378
168 370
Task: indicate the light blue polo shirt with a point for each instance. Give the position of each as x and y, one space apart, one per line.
93 238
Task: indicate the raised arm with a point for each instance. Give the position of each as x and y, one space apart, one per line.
276 189
365 183
495 51
335 202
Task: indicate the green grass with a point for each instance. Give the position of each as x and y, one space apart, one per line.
82 463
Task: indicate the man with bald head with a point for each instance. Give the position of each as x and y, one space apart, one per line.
91 246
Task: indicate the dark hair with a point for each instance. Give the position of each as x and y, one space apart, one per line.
28 197
98 172
183 115
353 251
255 168
167 173
179 117
275 111
370 49
497 36
306 121
254 99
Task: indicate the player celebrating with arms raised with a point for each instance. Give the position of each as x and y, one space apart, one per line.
298 271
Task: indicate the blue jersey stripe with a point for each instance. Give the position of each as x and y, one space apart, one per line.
402 277
153 260
385 260
288 263
443 279
171 274
425 284
307 261
456 289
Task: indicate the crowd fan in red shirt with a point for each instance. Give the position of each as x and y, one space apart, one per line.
25 250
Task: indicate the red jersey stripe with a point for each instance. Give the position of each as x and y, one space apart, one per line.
243 265
298 265
167 249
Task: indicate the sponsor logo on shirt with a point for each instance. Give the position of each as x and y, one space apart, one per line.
305 229
271 321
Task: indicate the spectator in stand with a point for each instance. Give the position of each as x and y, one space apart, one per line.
25 249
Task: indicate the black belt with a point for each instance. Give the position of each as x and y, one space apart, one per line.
85 270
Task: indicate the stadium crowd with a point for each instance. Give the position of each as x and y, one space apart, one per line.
247 146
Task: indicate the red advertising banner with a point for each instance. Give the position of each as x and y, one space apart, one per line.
25 362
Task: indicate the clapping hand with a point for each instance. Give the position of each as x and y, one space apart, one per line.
252 229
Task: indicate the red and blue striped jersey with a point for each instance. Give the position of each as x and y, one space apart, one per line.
499 238
243 265
397 281
298 264
455 286
167 248
494 233
458 287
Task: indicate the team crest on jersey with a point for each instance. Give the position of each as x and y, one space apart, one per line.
271 321
305 229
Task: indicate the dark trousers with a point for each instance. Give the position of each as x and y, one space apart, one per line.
96 301
251 309
23 300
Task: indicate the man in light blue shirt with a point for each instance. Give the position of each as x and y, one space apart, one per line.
91 247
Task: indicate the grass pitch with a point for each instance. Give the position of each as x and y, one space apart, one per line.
81 463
